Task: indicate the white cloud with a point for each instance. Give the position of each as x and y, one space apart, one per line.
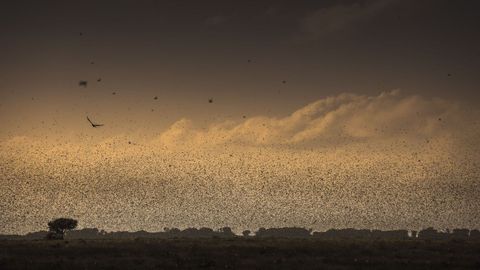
342 119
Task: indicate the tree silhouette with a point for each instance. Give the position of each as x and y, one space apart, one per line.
226 231
59 226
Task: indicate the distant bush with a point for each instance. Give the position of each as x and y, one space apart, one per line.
287 232
246 233
58 227
54 236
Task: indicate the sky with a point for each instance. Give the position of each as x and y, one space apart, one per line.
321 114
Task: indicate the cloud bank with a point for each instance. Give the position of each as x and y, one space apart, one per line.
337 120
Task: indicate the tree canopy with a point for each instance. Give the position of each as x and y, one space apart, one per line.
60 225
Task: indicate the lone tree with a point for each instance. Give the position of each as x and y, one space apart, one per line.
58 227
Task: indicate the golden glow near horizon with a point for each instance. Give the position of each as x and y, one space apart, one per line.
386 161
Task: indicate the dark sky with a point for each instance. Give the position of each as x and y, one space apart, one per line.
318 47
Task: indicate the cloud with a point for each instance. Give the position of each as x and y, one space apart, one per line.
336 120
338 17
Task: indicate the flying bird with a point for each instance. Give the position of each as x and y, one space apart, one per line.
210 100
94 125
82 83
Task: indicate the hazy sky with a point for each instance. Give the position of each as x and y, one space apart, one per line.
185 52
308 99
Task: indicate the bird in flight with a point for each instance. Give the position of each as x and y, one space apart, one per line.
94 125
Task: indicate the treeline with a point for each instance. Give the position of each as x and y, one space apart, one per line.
288 232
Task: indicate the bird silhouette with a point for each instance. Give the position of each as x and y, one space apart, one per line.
94 125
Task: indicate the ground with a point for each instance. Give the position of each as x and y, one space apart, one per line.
238 253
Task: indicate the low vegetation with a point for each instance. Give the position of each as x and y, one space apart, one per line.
238 253
274 248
